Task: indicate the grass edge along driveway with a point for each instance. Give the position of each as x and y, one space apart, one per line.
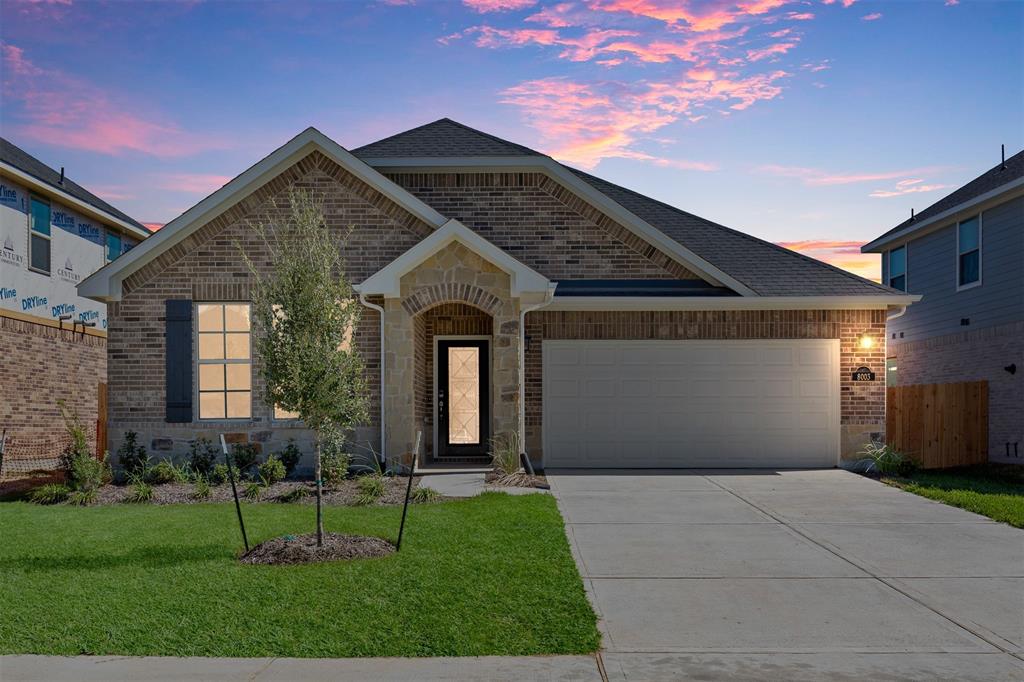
992 490
491 575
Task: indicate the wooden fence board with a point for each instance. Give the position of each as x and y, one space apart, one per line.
101 418
939 425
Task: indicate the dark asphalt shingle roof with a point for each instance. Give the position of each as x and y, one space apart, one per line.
443 137
25 162
767 269
991 179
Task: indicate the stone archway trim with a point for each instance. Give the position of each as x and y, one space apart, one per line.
451 292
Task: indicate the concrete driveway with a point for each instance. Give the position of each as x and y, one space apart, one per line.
796 575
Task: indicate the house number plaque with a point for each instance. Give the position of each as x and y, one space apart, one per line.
863 374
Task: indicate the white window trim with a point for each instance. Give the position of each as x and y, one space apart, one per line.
33 233
234 361
964 287
906 266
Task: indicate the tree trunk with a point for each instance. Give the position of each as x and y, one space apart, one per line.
319 500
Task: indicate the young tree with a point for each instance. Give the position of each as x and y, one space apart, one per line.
304 313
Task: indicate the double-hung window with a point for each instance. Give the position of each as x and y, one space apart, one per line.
968 249
39 235
898 268
224 360
113 246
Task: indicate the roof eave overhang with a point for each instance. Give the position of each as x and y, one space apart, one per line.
557 172
387 281
105 283
884 302
986 200
40 187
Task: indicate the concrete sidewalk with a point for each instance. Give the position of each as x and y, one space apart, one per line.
155 669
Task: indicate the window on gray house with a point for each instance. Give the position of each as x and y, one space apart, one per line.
39 236
898 268
968 246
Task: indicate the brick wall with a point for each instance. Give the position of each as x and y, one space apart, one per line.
862 408
40 365
976 355
542 224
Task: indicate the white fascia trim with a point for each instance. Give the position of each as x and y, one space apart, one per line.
41 187
388 280
594 197
105 283
881 244
731 302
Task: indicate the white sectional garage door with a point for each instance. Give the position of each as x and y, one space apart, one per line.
691 403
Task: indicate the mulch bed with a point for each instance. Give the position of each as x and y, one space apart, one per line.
499 478
343 494
302 549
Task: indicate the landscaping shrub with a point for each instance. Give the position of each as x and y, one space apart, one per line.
82 498
505 453
219 474
888 461
141 493
290 457
271 471
371 489
131 456
203 455
201 491
51 493
165 472
421 495
244 456
81 470
334 466
253 491
294 495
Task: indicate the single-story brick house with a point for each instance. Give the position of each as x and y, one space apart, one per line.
507 293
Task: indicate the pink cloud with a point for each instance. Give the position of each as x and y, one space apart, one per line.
816 177
585 122
951 3
709 17
845 3
874 16
801 16
498 5
580 49
842 254
911 186
153 227
65 111
770 51
193 183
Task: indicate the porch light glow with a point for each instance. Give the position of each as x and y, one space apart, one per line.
866 341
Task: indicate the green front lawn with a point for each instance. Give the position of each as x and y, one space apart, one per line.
487 575
995 491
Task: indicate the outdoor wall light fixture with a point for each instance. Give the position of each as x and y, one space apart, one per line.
866 341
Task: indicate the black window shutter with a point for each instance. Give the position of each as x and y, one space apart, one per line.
178 355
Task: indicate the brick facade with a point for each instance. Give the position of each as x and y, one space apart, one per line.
39 365
862 404
976 355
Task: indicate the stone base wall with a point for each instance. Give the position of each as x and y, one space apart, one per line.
40 365
976 355
862 409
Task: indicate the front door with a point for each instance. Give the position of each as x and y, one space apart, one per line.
463 398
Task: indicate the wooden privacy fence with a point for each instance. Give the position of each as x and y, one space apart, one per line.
101 418
939 425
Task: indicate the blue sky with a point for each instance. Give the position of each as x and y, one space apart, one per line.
810 121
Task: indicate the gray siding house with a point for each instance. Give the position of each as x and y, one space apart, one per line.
965 256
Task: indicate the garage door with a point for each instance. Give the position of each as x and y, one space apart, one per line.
691 403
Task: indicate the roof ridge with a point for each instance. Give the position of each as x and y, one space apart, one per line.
495 138
739 233
508 145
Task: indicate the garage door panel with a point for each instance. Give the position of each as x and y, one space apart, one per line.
691 403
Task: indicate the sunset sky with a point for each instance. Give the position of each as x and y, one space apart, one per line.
816 124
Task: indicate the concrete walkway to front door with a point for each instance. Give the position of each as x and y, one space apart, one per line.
795 575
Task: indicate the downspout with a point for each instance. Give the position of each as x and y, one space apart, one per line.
380 311
548 297
901 313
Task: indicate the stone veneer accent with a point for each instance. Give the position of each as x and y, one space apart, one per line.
454 274
862 408
975 355
40 365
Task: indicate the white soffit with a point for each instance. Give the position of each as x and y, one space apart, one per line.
105 283
387 281
881 302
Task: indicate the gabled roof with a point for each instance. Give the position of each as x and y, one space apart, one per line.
105 283
17 158
387 281
991 183
443 137
768 269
